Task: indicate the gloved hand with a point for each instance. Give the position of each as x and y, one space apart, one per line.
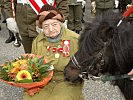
83 3
116 3
65 23
93 5
12 25
39 30
131 73
51 2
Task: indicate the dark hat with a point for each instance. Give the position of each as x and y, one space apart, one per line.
48 12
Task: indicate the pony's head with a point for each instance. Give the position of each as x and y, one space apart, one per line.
92 41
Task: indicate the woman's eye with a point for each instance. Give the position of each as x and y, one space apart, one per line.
54 24
46 26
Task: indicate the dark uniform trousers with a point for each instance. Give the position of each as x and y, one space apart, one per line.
27 43
75 17
101 11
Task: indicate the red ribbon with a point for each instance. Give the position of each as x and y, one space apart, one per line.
65 50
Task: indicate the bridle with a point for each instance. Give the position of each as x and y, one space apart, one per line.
99 59
75 62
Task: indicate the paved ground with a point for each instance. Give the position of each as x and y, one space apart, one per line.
92 90
7 52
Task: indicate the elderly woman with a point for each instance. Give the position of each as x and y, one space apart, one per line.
58 44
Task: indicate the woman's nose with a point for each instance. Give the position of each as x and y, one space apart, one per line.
50 27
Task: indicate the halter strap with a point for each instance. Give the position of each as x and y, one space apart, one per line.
105 78
75 62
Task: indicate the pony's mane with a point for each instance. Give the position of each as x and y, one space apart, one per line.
90 40
123 47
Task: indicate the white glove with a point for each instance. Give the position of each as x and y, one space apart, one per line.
12 25
39 30
93 5
116 3
65 23
83 3
129 5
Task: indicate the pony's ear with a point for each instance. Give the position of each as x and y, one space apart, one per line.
105 31
102 30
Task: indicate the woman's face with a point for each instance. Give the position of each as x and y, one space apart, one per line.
51 28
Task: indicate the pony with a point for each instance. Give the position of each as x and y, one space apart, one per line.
104 49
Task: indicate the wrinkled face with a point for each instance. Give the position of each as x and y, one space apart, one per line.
51 28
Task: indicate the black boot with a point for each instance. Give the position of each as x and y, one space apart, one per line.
0 19
11 37
18 41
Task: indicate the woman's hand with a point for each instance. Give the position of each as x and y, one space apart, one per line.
131 73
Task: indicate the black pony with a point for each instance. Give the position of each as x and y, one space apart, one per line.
104 48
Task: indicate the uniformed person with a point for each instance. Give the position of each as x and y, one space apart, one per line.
101 6
25 18
75 15
58 44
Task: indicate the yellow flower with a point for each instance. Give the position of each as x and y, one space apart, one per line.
16 64
15 70
23 62
23 74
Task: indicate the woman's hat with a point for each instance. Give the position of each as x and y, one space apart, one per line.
48 12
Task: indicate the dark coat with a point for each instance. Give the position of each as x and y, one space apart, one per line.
104 3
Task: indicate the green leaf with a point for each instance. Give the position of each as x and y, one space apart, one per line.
14 60
44 68
7 63
41 61
49 63
2 70
36 60
25 81
22 57
38 79
26 57
3 74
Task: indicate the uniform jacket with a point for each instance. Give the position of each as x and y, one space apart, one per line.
40 47
26 17
74 2
57 88
104 3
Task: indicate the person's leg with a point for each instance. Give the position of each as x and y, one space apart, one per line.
10 38
70 24
27 43
0 20
78 11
